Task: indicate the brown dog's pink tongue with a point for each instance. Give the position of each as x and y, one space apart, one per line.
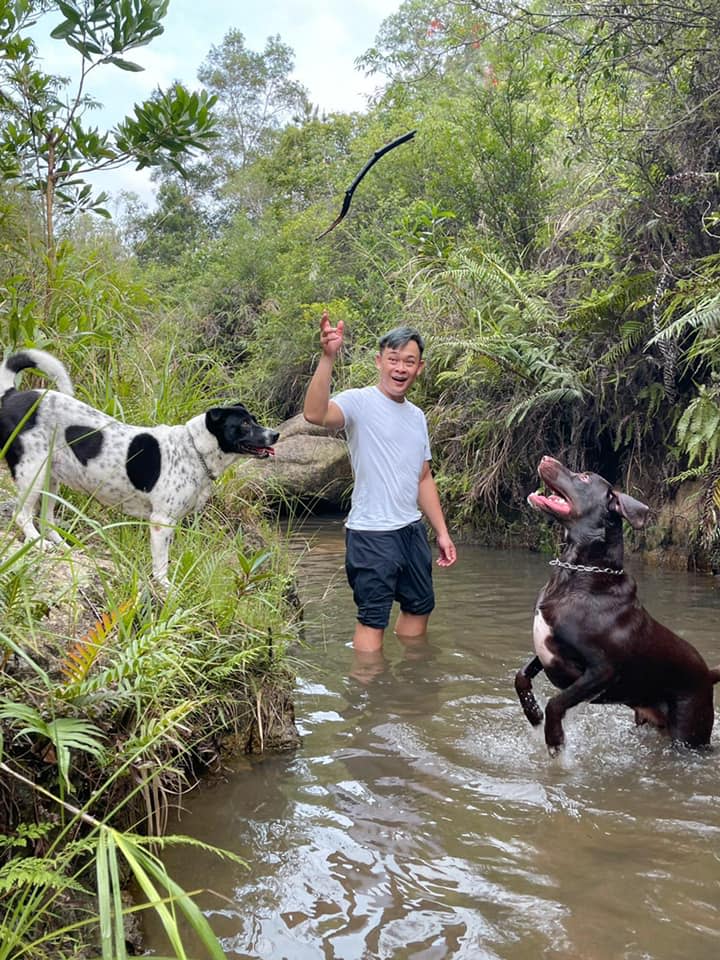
552 502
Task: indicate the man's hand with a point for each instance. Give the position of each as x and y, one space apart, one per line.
446 550
318 407
331 338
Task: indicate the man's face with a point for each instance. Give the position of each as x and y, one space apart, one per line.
398 367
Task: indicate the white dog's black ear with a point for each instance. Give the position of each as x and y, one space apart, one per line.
216 415
632 510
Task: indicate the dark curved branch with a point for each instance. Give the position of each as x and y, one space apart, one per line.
351 189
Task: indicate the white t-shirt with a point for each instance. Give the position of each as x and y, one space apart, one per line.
389 445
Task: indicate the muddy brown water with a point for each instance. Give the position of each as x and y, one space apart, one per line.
422 817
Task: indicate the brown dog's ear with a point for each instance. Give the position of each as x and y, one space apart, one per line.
632 510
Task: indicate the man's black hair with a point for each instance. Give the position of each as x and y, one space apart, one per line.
399 337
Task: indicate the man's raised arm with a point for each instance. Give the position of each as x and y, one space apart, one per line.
318 407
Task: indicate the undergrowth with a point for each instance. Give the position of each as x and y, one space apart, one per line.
115 698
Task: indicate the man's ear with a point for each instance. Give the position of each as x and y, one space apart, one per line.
632 510
378 360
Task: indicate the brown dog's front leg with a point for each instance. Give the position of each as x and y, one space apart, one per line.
590 685
523 688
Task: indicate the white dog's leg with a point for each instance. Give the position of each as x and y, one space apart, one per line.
24 519
50 533
161 536
29 491
28 502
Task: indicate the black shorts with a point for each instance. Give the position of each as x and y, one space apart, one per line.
383 566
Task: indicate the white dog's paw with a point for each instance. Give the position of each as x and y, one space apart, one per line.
40 542
162 585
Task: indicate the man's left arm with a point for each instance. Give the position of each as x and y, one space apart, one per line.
429 503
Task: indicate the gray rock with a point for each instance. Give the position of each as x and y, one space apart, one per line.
310 465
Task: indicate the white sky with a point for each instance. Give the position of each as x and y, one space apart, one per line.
325 35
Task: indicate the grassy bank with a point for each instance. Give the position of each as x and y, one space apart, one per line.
115 699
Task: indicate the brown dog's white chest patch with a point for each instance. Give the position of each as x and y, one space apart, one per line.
542 633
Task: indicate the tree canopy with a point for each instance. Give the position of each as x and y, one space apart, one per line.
47 143
553 227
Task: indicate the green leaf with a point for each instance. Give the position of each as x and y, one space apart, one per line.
69 12
126 65
102 875
148 871
139 864
63 30
112 934
65 734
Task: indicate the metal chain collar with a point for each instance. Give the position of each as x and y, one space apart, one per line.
202 459
581 568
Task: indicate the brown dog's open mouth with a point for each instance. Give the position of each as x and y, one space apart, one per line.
550 502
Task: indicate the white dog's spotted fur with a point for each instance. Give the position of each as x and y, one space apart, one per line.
157 473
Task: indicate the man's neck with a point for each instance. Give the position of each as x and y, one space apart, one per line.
390 396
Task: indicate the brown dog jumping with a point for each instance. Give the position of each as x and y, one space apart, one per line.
592 637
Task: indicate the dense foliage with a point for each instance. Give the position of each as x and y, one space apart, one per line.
553 229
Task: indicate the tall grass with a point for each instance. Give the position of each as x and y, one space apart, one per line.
111 700
114 698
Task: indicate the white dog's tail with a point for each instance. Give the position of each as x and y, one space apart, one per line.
38 360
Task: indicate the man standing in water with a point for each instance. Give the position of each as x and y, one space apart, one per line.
387 555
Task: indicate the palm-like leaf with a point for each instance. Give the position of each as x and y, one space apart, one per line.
544 398
64 733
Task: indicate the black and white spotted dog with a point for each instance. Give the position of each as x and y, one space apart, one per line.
156 473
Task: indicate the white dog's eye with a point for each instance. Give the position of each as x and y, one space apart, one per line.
585 477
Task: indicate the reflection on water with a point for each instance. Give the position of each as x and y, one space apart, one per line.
422 818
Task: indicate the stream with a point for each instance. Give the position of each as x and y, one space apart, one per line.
422 818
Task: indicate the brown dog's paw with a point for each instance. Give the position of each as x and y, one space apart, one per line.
533 712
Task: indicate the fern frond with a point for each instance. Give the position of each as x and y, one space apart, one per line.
161 728
25 833
602 306
698 430
694 473
631 334
81 656
488 273
137 656
183 840
34 872
705 317
716 493
544 398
